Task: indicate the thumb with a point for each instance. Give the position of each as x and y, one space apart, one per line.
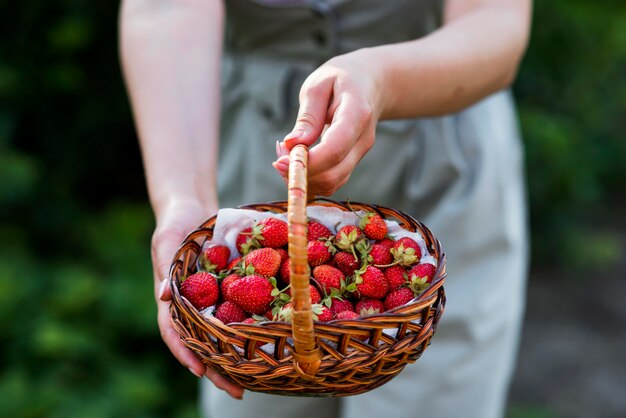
314 103
165 244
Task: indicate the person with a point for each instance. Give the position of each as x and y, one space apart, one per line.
405 104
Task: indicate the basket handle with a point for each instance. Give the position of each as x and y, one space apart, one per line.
307 356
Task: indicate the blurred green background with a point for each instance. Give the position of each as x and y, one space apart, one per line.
78 333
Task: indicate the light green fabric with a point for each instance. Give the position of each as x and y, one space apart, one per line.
460 174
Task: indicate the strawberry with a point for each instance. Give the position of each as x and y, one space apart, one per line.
379 255
398 297
249 320
328 277
271 232
406 252
369 306
284 313
245 242
424 270
347 237
269 315
347 315
338 305
214 258
316 230
226 283
396 277
371 282
319 252
374 226
234 263
263 261
285 272
229 312
315 295
420 276
321 313
284 255
347 263
201 290
387 242
253 293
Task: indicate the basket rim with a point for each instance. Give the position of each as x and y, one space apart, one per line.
427 297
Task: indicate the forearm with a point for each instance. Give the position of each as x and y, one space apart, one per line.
474 54
170 53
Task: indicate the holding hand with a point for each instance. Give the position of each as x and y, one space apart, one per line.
174 223
341 102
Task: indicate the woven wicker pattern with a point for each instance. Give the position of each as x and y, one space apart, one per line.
343 357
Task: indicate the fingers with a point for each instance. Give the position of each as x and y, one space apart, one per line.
171 338
221 383
348 138
165 242
186 357
315 96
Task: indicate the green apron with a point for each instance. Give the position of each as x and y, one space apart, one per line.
462 175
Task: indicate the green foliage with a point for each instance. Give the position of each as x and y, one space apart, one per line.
572 98
78 334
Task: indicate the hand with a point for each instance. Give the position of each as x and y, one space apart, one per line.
341 102
173 224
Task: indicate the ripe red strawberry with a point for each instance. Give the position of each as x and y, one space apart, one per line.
263 261
284 313
249 320
406 251
379 255
371 282
319 252
245 242
347 237
315 295
283 254
226 283
420 276
321 313
252 293
229 312
215 258
369 306
396 277
374 226
337 305
347 263
233 263
398 297
328 277
271 233
424 270
347 315
270 315
201 290
387 242
285 272
316 230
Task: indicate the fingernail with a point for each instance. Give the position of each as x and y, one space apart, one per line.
281 166
162 288
281 149
195 373
295 134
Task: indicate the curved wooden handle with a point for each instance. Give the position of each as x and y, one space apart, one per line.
307 356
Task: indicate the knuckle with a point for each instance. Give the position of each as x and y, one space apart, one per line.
307 118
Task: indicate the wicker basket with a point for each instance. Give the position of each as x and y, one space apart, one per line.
338 358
